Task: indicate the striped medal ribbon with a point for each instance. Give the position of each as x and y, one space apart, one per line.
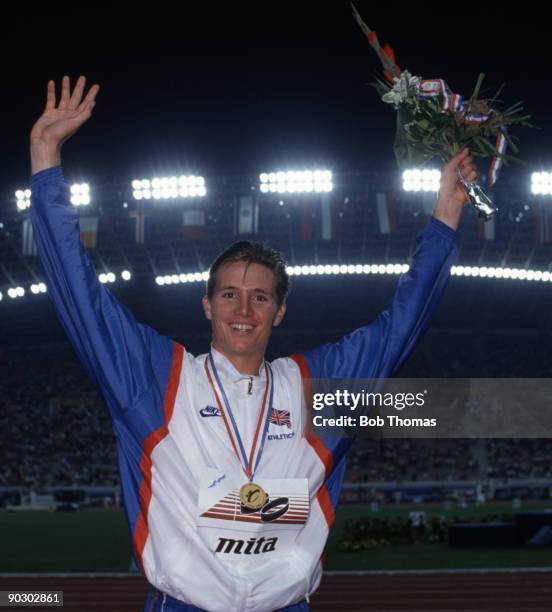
252 496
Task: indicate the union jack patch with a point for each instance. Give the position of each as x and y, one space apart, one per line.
280 417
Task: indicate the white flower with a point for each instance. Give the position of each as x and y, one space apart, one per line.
405 88
392 97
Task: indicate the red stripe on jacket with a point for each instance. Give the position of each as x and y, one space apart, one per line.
323 496
141 529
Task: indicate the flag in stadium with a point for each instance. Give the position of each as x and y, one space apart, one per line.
193 224
542 212
247 215
486 229
28 245
329 225
385 209
89 231
306 221
139 224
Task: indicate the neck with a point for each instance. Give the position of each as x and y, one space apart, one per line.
245 364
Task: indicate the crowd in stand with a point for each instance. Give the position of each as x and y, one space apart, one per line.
518 458
411 460
55 429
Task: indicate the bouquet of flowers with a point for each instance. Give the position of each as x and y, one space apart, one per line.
434 122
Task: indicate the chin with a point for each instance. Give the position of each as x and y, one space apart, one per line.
243 350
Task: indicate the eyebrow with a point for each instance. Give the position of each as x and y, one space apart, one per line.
258 290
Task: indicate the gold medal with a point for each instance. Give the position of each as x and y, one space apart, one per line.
252 496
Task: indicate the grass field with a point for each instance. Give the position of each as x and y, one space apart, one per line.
98 541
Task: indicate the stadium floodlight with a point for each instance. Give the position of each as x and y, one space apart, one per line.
176 279
80 194
350 269
107 277
169 188
23 199
389 269
502 273
541 183
426 180
16 292
296 181
37 288
126 275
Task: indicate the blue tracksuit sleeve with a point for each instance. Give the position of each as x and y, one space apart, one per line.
379 349
125 359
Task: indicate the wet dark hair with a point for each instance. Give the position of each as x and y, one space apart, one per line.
253 252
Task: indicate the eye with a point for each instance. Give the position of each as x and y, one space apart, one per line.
229 294
260 298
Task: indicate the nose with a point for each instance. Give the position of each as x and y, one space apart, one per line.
244 306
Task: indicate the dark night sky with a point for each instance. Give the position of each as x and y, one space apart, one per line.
248 87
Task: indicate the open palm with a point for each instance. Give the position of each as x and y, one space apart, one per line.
58 123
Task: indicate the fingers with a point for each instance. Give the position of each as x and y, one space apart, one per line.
85 112
455 161
72 101
463 163
77 93
65 97
51 95
90 98
468 170
459 157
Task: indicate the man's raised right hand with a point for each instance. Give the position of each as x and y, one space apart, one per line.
59 123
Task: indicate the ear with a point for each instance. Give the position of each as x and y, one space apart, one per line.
279 315
206 303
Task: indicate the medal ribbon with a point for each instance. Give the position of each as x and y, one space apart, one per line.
245 462
501 144
450 102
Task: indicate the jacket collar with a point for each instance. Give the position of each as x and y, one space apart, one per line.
228 371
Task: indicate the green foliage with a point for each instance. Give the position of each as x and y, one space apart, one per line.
424 131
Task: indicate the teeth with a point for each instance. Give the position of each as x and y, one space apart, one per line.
241 326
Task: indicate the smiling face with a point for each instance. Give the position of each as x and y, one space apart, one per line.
242 311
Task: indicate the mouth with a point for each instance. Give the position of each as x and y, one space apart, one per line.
242 328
